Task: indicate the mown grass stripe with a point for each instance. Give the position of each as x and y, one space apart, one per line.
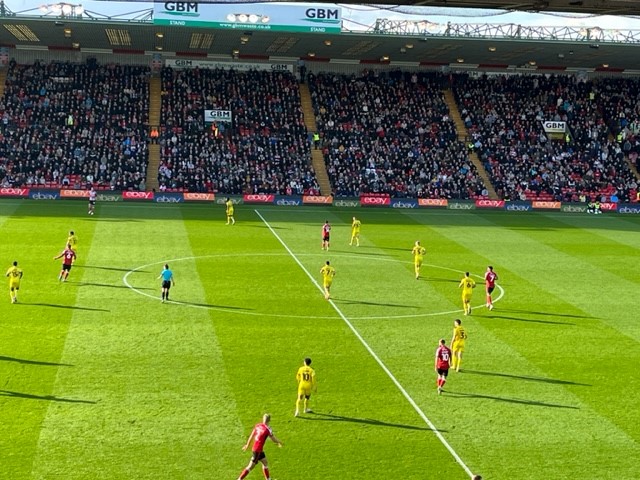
155 387
382 365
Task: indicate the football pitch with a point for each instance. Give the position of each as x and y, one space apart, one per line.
100 380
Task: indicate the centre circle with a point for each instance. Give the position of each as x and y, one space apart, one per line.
126 276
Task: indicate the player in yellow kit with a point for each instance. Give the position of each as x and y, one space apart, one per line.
229 209
457 344
72 240
355 231
15 275
418 256
306 378
467 284
328 272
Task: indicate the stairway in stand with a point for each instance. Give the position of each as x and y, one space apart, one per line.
3 80
317 159
155 104
463 134
632 167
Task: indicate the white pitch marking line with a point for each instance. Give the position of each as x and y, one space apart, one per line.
373 354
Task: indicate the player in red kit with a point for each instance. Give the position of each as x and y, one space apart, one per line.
442 364
68 257
326 233
490 278
259 435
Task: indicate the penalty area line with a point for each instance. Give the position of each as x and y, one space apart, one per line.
375 356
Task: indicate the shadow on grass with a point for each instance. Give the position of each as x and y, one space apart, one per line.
518 401
33 362
531 320
375 304
354 250
112 220
114 269
262 225
550 314
70 307
208 305
525 377
86 284
436 279
396 249
327 417
48 398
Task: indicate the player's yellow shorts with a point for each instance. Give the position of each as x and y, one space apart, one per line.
466 298
417 262
14 285
327 283
457 347
304 390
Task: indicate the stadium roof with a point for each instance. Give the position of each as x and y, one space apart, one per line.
489 46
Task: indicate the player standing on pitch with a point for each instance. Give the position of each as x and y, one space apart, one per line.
490 278
92 201
306 377
442 363
229 211
326 235
15 275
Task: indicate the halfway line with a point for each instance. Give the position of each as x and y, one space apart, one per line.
372 353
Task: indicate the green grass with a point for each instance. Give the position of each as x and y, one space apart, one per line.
102 381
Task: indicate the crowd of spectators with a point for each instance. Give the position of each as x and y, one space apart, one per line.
619 100
265 149
74 125
77 125
504 116
390 133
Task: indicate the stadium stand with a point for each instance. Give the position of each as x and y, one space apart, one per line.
390 133
381 132
72 125
264 150
504 115
619 100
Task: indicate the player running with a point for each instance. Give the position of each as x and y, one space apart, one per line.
68 256
306 378
259 435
